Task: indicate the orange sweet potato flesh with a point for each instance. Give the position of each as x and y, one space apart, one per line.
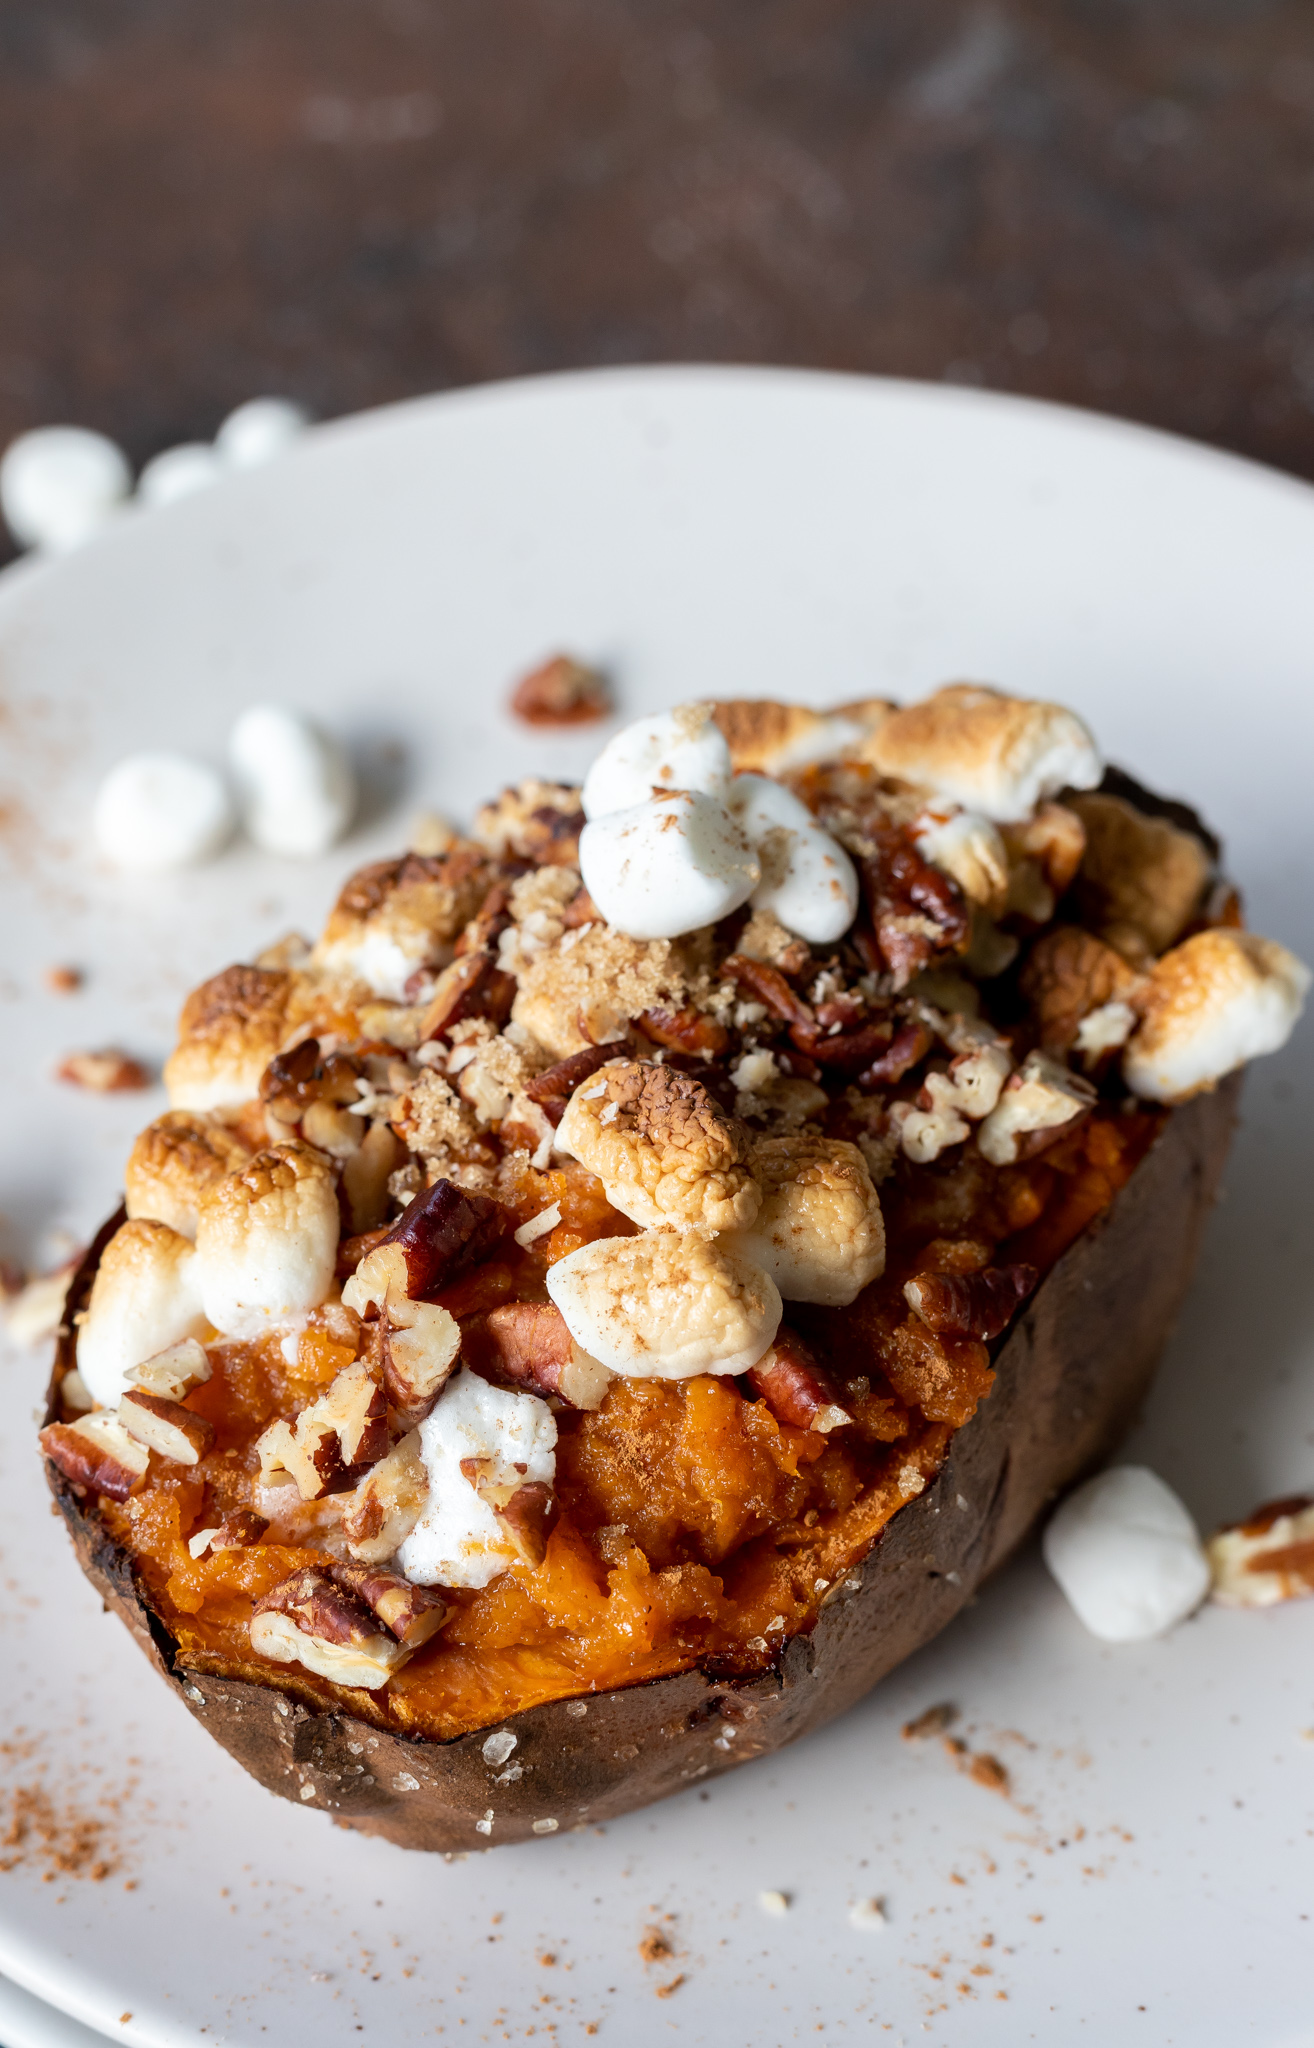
770 1579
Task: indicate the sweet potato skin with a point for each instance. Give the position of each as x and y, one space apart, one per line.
1072 1373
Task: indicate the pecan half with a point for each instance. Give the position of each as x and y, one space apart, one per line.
527 1344
473 986
561 692
970 1304
796 1388
910 1043
165 1426
411 1613
97 1452
444 1232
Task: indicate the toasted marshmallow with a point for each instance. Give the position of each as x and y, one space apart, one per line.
770 738
808 881
510 1439
174 1161
820 1234
297 788
665 1151
230 1029
680 749
397 916
668 866
994 754
1218 1000
1040 1096
666 1305
1126 1555
267 1240
58 485
254 433
145 1298
154 812
968 848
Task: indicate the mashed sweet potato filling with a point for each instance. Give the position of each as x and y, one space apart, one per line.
694 1527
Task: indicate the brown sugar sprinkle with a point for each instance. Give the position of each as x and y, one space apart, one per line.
654 1948
63 981
933 1721
104 1073
562 692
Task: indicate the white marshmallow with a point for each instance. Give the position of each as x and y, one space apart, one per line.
668 866
178 472
808 880
259 430
458 1539
1126 1555
59 484
1214 1002
145 1299
297 790
681 749
667 1305
154 812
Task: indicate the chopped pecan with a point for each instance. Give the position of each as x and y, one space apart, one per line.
796 1388
351 1250
1068 974
687 1030
295 1079
411 1613
916 911
552 1090
387 1503
334 1440
420 1346
237 1531
173 1373
970 1304
165 1426
473 986
580 910
309 1619
491 919
97 1452
444 1232
562 692
910 1043
527 1344
767 985
849 1051
527 1512
104 1073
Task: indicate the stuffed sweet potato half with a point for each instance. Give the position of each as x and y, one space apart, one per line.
592 1314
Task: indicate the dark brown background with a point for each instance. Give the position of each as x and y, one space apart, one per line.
1109 202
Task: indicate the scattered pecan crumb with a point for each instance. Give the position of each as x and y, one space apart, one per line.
104 1073
63 981
547 1961
561 692
933 1722
988 1771
668 1990
654 1948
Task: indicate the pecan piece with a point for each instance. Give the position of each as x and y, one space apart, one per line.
910 1043
561 692
687 1030
333 1441
310 1620
444 1232
970 1304
387 1503
796 1388
97 1452
237 1531
767 985
294 1080
165 1426
527 1512
411 1613
553 1089
916 911
527 1344
420 1344
473 986
104 1073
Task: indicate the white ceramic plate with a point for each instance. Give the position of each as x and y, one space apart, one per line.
700 532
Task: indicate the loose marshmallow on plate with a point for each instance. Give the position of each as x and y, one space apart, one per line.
1214 1002
459 1539
666 1305
267 1240
154 812
297 789
681 749
259 430
995 754
178 472
668 866
145 1298
1126 1554
808 880
59 484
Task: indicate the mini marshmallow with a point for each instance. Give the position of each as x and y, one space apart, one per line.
59 484
267 1240
1126 1555
1220 999
459 1540
145 1298
173 1162
681 749
994 754
297 789
808 881
667 1305
820 1233
160 811
178 473
259 430
667 867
